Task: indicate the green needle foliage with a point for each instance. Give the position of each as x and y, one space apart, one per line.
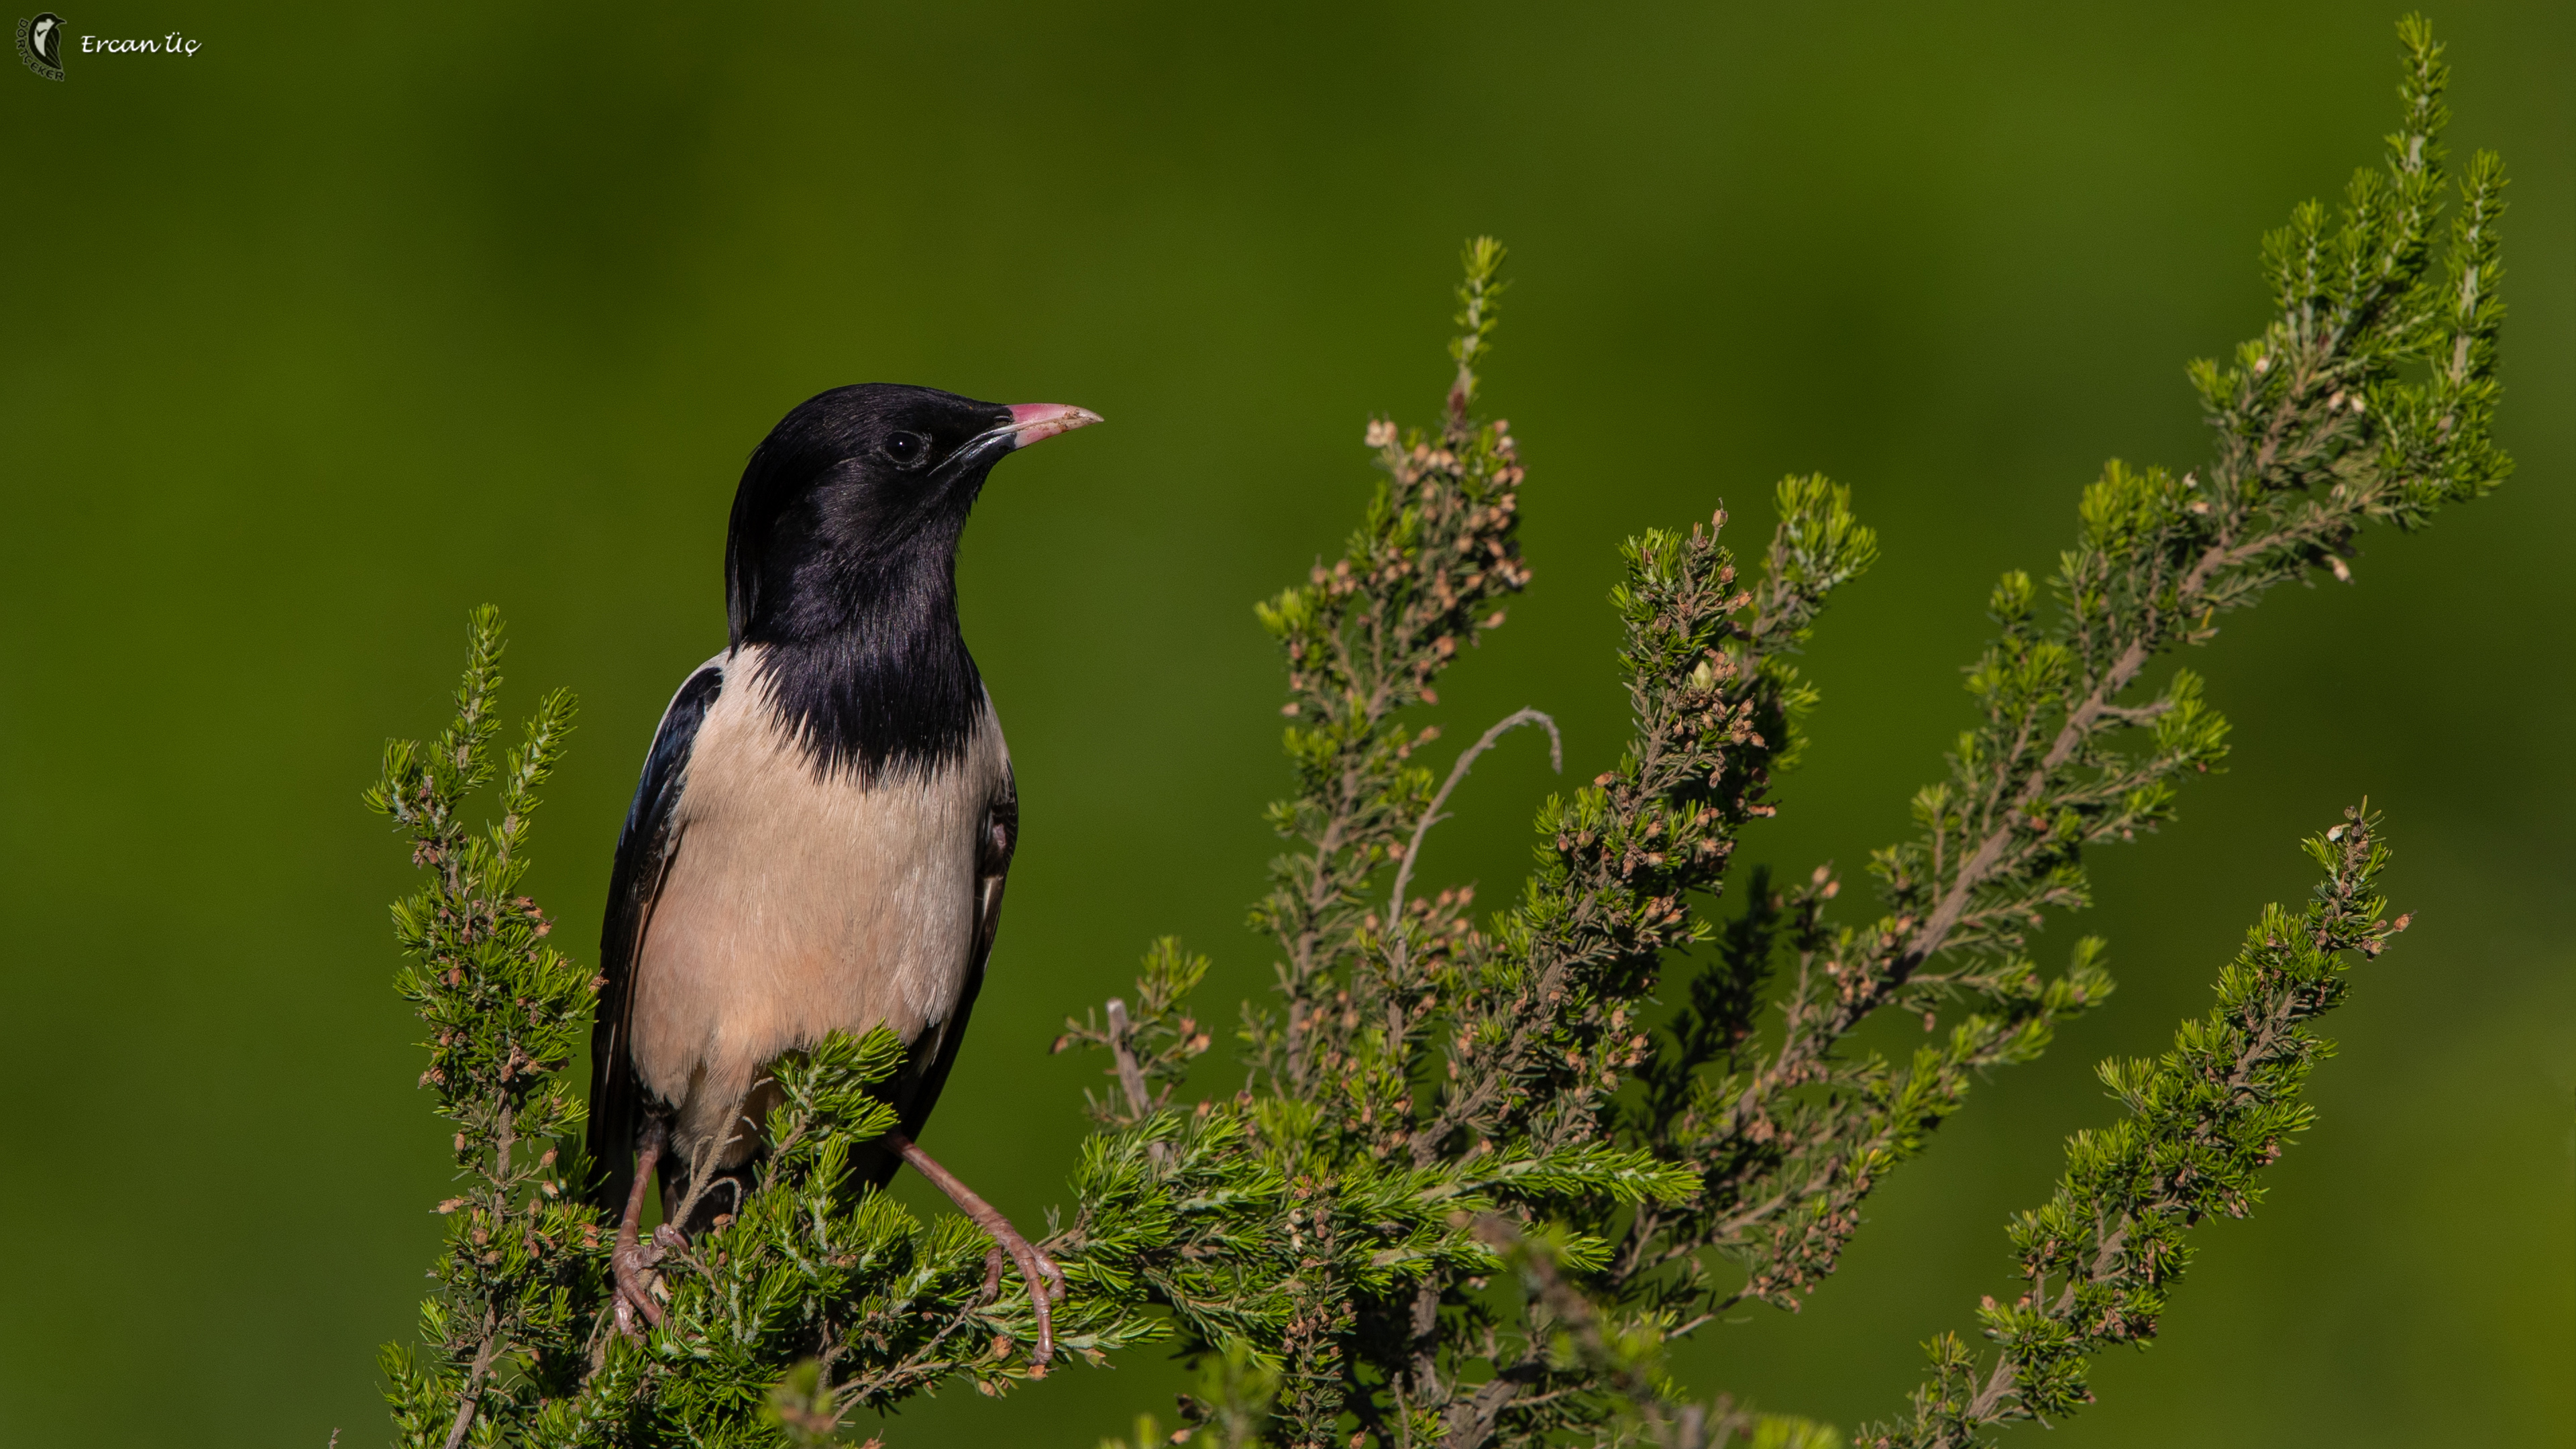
505 1011
1482 1171
2204 1120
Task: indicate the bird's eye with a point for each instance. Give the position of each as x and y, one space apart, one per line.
906 449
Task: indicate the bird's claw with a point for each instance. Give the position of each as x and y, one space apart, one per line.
1045 1283
631 1263
632 1266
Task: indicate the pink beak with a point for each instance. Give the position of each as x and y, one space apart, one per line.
1034 421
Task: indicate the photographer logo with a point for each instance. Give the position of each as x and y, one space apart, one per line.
40 45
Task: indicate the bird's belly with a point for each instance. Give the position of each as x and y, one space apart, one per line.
799 904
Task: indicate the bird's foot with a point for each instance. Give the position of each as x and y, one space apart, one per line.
631 1262
1039 1272
1044 1279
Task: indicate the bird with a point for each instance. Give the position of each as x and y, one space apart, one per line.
823 827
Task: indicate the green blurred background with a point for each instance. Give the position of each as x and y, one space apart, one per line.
356 319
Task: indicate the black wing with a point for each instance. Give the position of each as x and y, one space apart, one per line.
917 1089
644 851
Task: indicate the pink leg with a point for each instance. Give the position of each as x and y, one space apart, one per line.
631 1260
1044 1279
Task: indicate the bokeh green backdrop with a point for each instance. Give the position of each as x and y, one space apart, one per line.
357 318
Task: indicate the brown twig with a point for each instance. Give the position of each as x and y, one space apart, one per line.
472 1398
1431 813
1131 1078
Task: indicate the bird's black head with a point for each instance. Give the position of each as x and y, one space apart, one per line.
849 513
841 564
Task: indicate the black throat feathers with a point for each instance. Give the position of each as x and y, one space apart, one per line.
884 684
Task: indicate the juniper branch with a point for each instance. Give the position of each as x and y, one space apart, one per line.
505 1011
2204 1120
2369 398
